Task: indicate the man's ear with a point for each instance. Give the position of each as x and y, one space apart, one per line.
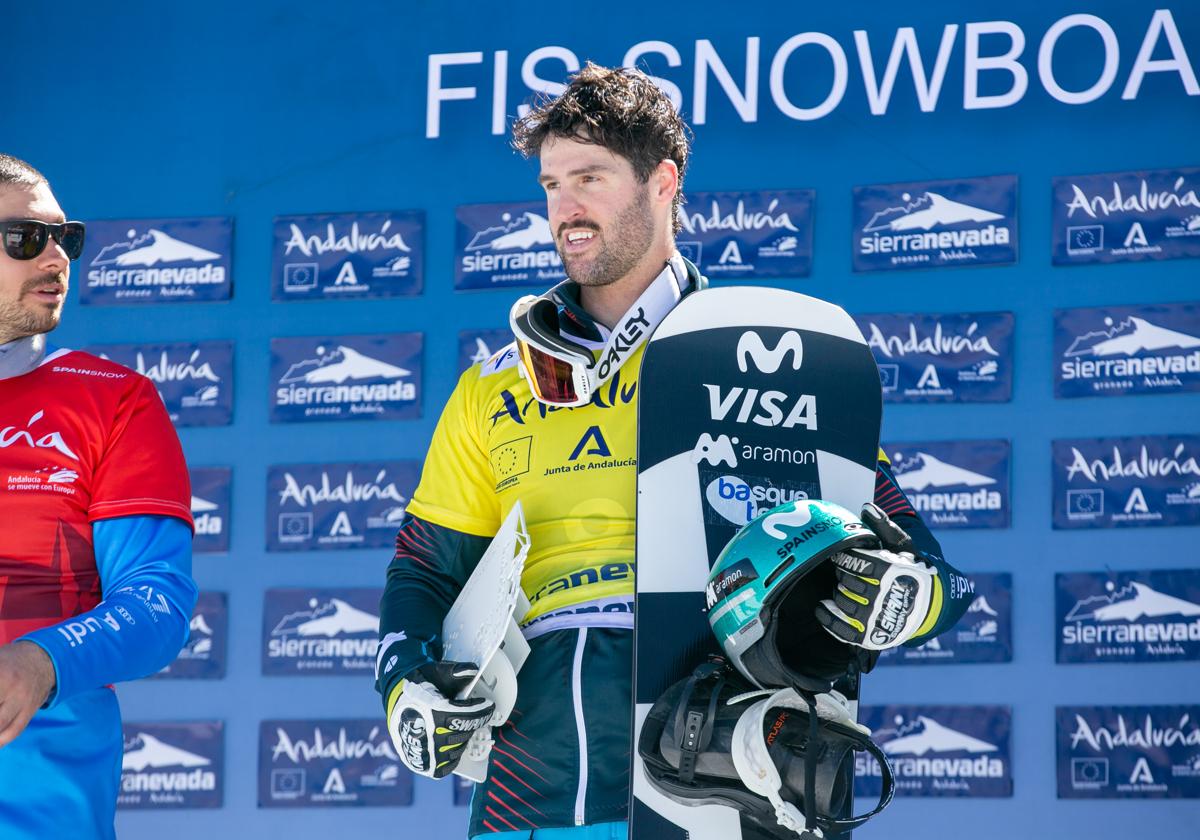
664 181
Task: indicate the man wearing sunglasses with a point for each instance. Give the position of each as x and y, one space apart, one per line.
95 545
551 421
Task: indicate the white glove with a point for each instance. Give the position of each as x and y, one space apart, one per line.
429 728
883 595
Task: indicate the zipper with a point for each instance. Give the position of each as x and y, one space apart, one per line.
580 728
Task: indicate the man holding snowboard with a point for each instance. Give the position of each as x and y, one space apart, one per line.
551 421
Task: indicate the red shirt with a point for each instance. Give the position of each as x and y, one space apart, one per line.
81 439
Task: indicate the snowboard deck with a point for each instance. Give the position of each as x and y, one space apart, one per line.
749 397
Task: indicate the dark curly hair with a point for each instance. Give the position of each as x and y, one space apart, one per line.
618 108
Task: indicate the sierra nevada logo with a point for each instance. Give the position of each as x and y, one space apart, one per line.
932 750
327 632
200 639
143 751
952 495
505 244
157 772
334 380
204 515
158 259
1131 352
1134 620
920 224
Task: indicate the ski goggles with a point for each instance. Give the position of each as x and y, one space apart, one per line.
25 239
566 372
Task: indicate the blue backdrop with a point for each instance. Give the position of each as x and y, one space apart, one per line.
253 110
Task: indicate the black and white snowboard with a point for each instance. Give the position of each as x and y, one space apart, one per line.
750 397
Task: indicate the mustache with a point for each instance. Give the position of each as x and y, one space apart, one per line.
580 224
57 278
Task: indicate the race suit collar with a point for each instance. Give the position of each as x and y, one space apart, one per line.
21 356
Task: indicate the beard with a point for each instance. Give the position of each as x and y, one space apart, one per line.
19 320
628 239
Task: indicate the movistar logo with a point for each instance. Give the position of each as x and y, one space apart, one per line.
751 348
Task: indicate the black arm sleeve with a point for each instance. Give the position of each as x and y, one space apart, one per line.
956 589
429 569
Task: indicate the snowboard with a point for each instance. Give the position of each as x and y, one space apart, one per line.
750 397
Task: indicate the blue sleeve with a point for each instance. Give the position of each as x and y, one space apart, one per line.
145 566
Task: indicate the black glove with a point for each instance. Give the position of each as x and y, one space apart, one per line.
429 727
883 595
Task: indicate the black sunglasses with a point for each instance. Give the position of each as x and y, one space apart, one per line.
25 239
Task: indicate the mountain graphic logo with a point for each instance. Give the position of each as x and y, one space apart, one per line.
927 212
144 751
527 230
333 618
1129 603
152 248
925 735
922 471
201 635
981 605
1132 335
338 365
202 505
482 353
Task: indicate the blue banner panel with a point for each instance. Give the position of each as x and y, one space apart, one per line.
331 256
168 766
476 346
463 790
157 261
955 484
326 506
1126 216
931 224
952 357
497 245
984 634
320 631
938 750
1124 482
1143 616
1108 351
1128 752
319 763
212 503
194 379
346 377
203 656
738 235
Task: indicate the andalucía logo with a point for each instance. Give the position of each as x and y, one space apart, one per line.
320 631
1126 216
1122 482
172 765
939 750
735 235
340 255
504 245
322 506
157 261
1144 616
195 380
984 634
318 763
346 377
1119 752
1114 350
928 224
954 357
955 484
211 498
203 655
477 346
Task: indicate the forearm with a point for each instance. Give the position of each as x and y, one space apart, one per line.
145 568
429 569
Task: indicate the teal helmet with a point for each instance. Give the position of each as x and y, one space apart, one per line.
764 588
